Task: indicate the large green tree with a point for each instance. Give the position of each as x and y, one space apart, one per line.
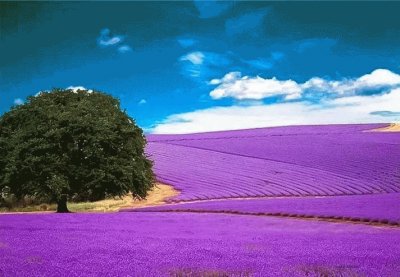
67 144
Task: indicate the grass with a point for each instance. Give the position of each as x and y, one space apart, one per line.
155 197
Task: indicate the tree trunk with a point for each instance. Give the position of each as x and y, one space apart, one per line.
62 204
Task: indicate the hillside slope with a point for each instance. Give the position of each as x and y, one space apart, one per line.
283 161
334 172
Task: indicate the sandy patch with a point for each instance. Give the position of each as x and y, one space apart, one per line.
156 196
393 127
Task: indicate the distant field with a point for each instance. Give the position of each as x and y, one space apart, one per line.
281 161
342 172
372 208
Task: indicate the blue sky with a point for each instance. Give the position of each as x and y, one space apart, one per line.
181 67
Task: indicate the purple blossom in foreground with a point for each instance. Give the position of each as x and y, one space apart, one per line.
170 244
283 161
383 208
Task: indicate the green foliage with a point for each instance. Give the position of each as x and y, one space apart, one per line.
78 144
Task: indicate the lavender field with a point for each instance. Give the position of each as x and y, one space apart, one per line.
373 208
171 244
281 161
251 203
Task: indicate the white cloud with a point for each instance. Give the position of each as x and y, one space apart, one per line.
107 39
201 65
377 79
110 41
18 101
75 89
142 102
238 87
215 82
235 86
351 109
194 57
124 48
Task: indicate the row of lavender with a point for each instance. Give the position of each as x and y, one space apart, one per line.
374 208
202 175
284 161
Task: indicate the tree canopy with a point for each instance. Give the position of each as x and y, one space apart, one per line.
71 144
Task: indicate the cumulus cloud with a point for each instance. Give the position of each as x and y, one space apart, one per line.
142 102
370 98
377 80
351 109
235 86
238 87
18 101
